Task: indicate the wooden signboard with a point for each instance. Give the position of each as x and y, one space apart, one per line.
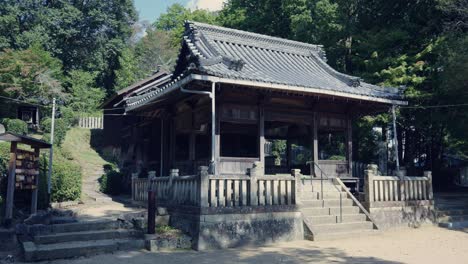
27 170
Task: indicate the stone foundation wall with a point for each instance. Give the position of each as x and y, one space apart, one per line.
218 231
403 216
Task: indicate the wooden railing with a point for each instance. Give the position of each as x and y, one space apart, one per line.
381 190
228 191
91 122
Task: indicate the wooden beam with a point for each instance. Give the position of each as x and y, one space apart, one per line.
36 183
11 184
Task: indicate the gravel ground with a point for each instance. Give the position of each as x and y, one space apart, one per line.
426 245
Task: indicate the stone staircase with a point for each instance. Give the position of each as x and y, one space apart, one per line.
61 241
322 216
452 210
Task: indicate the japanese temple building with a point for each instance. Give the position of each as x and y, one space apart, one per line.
238 110
237 97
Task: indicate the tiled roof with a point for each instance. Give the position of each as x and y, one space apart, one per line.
236 54
245 56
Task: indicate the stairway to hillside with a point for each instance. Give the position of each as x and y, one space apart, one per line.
91 186
80 239
322 214
452 210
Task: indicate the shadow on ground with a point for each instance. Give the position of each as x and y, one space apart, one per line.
267 255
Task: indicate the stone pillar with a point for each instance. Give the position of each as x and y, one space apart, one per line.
369 175
296 173
151 178
204 182
174 173
256 170
134 176
401 172
428 174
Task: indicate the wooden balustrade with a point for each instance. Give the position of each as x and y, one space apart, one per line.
381 189
218 191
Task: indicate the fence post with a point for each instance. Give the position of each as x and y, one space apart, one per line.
428 174
134 187
204 182
255 171
174 173
369 175
296 173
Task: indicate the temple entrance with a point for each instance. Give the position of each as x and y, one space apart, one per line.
287 146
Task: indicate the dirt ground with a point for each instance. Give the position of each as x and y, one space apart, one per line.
426 245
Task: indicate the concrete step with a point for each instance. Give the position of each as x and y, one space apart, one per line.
73 227
344 235
329 219
319 211
33 252
326 195
342 227
326 203
87 235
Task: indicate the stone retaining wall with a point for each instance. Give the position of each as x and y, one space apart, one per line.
233 230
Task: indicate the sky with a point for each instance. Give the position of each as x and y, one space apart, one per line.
151 9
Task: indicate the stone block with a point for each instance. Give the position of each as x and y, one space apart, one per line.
157 243
161 211
162 220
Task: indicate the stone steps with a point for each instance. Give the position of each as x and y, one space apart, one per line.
322 214
326 203
35 252
326 195
344 235
86 235
330 210
79 239
335 219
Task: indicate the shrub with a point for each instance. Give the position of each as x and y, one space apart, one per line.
111 182
66 180
15 126
60 130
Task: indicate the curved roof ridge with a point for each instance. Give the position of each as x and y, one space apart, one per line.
254 36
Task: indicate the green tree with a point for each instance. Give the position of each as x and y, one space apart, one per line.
85 98
31 75
173 20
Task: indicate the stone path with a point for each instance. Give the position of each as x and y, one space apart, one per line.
427 244
95 205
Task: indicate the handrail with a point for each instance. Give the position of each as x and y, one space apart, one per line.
343 187
322 173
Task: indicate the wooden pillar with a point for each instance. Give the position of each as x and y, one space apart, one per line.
172 141
36 183
349 137
315 140
192 143
11 184
261 132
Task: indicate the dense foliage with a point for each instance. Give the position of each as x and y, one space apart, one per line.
15 126
60 130
111 182
66 179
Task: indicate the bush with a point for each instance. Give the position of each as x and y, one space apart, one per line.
111 182
15 126
60 130
66 180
